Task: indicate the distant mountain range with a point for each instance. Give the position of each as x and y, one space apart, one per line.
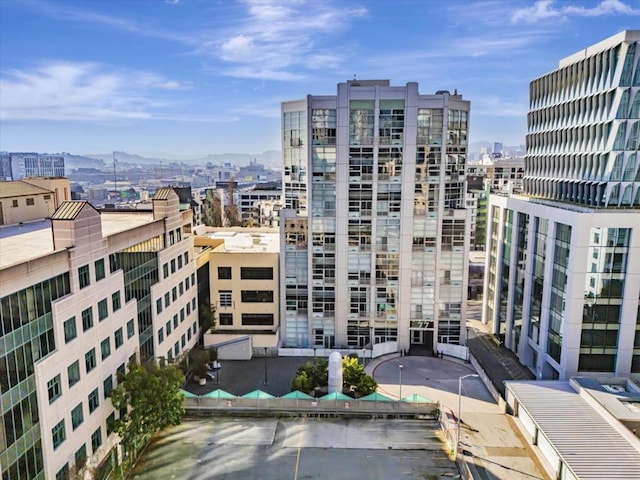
271 158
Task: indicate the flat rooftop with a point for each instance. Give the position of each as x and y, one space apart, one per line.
248 242
588 444
21 243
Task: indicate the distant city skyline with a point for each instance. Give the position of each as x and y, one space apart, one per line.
195 77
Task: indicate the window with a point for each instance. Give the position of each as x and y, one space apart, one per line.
175 321
257 319
70 330
172 238
99 267
224 273
193 303
81 456
77 416
107 386
165 270
188 306
63 473
130 329
30 202
174 294
186 258
257 296
111 420
179 262
115 301
186 283
105 348
226 319
103 310
83 276
53 388
160 335
94 400
183 341
256 273
176 349
58 434
87 319
14 203
118 338
73 372
181 315
158 306
181 288
166 300
90 359
173 266
168 327
96 440
225 298
189 334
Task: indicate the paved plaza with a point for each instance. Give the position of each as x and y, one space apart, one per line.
270 448
223 448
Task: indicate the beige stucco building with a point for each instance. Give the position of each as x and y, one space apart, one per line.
31 199
244 290
81 295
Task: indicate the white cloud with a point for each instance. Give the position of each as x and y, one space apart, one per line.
279 40
546 9
65 91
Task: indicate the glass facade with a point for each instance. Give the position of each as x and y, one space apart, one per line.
604 288
541 226
505 270
27 336
558 290
518 294
140 265
370 167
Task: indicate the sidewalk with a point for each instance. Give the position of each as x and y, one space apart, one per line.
493 446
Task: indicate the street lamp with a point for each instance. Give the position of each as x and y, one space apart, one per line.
400 392
459 409
265 367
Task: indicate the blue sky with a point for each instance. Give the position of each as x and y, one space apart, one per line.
191 77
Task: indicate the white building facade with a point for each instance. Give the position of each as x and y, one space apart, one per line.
563 266
80 298
375 230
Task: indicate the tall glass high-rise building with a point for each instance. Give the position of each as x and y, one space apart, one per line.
563 264
375 232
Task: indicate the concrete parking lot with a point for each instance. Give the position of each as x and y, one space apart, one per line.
275 449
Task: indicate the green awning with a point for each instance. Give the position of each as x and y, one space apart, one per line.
219 394
297 395
188 394
415 398
336 396
377 397
259 394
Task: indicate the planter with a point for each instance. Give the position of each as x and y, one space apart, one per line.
202 381
196 378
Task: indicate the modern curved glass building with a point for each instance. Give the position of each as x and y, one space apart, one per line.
563 261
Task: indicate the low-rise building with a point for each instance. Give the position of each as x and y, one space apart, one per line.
244 290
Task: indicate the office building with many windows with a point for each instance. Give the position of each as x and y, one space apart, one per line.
375 233
81 295
562 286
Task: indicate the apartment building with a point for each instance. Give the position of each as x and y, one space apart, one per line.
374 227
243 276
81 295
562 287
15 166
250 201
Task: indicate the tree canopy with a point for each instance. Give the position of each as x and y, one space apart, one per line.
151 396
316 374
